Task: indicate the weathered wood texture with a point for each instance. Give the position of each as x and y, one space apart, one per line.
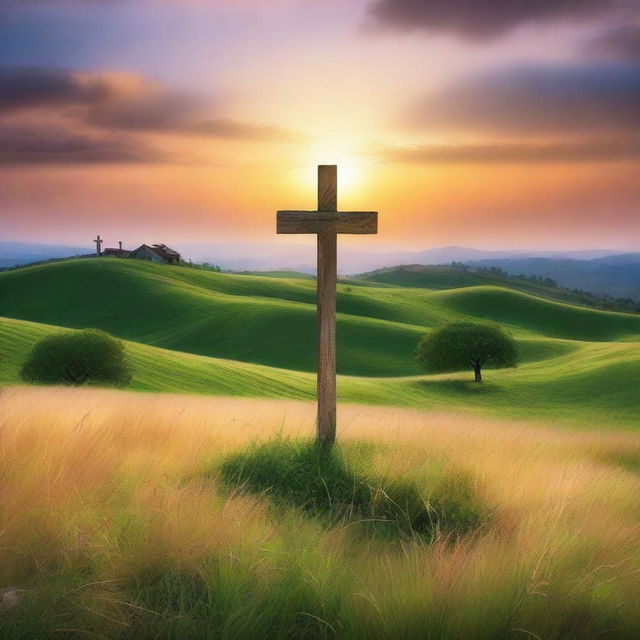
321 221
326 300
327 187
98 242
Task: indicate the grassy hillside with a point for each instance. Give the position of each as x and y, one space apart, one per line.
168 516
588 385
541 317
291 275
158 369
444 277
271 321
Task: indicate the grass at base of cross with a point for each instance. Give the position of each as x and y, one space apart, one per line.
336 485
150 547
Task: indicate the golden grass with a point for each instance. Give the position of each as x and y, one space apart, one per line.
106 487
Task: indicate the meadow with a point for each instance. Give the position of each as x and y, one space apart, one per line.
447 509
117 523
201 332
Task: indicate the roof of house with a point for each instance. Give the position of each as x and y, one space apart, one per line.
159 249
165 252
115 252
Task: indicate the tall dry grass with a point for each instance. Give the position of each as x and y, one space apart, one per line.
108 527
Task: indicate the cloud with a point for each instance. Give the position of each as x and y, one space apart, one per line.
123 102
537 100
586 151
477 20
32 144
28 87
153 109
621 41
225 128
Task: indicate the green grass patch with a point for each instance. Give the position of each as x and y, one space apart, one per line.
586 385
271 321
195 331
325 484
215 602
628 460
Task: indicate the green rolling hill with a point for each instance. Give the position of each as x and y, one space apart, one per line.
272 320
197 331
428 276
447 277
595 385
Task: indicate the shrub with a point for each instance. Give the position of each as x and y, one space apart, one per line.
76 358
462 345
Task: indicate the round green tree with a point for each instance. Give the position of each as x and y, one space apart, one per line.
78 357
466 345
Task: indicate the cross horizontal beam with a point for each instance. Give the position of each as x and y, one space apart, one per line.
323 221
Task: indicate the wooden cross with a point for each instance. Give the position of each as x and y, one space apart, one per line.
98 245
326 223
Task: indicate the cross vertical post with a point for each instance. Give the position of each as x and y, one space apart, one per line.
98 242
326 223
326 306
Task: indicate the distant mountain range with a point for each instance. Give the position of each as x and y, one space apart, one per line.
351 260
13 253
600 271
617 275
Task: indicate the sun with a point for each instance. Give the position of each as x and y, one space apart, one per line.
350 172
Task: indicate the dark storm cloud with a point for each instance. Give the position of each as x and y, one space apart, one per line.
33 144
622 41
482 20
538 100
122 102
590 151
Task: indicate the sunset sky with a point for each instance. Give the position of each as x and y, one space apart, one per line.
494 124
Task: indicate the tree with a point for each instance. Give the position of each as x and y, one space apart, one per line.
78 357
461 345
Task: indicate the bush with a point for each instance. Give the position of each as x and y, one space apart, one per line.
463 345
317 479
76 358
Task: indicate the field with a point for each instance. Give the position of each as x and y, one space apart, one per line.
119 519
203 332
116 524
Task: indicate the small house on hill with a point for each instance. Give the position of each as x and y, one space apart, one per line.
156 253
